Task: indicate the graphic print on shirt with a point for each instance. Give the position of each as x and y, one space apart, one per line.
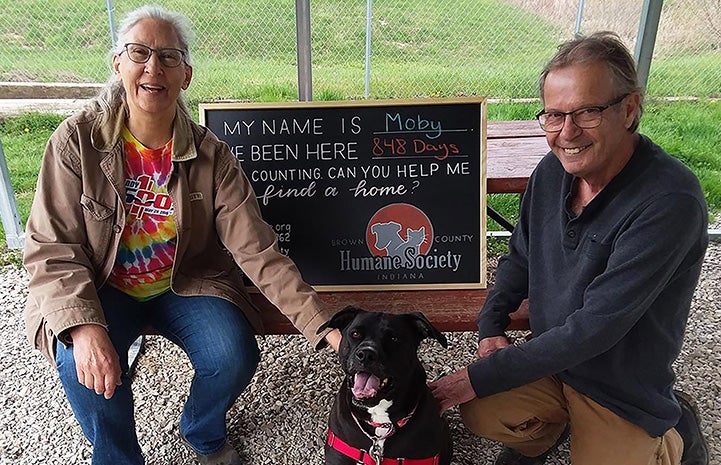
145 198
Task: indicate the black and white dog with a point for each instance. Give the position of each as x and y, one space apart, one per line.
384 413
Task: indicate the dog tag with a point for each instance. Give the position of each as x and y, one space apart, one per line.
376 452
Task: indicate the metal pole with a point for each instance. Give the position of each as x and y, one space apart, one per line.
646 38
302 28
111 22
14 234
369 18
579 18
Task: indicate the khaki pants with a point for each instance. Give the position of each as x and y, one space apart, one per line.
531 418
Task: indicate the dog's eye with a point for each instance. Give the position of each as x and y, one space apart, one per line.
355 334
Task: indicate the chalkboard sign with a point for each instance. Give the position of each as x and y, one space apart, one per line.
371 195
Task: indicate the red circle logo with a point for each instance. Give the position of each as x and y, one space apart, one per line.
398 227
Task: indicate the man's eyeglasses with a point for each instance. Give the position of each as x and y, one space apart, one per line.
168 57
584 118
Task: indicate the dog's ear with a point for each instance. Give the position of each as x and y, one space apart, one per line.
341 319
426 329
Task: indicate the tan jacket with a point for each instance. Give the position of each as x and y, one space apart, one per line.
78 214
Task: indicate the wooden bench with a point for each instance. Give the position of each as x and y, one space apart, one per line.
448 310
514 148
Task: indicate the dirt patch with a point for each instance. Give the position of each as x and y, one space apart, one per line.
684 24
35 76
43 90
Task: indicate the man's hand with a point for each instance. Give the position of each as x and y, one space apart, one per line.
96 361
491 344
333 339
453 389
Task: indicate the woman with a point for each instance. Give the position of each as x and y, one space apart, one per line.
139 219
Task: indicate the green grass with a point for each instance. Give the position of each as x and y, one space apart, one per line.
24 140
243 46
258 41
686 74
690 132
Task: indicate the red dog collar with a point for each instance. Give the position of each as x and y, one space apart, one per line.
361 456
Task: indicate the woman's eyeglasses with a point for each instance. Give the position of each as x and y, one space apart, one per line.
168 57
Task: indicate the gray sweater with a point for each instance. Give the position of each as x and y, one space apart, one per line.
609 290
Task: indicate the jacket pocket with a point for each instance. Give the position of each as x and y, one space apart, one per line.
99 229
97 210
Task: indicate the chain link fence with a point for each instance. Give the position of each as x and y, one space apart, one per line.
246 49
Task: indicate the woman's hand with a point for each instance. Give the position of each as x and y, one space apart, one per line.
96 360
333 339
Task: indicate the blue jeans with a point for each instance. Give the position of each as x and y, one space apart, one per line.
211 331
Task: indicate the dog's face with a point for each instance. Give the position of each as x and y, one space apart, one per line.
378 352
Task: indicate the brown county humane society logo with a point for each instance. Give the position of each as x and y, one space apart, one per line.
399 230
400 240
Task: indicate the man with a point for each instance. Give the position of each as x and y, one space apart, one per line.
608 251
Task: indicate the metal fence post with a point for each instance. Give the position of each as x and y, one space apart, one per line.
111 22
302 27
14 234
369 18
646 38
579 19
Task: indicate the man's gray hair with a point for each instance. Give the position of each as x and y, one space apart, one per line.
601 47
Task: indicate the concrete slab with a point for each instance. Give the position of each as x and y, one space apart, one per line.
14 107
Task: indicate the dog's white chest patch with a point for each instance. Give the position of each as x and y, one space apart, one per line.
379 415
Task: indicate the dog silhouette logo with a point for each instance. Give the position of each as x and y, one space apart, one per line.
399 230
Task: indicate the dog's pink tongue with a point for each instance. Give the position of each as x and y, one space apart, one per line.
365 385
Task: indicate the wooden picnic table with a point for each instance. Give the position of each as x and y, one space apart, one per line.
514 148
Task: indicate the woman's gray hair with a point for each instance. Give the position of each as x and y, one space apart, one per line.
113 93
601 47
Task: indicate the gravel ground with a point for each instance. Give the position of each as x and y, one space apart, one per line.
281 418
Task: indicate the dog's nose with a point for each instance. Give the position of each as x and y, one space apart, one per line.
366 354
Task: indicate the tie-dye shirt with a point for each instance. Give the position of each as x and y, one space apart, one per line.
147 247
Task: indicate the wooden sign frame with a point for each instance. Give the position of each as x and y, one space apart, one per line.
368 195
